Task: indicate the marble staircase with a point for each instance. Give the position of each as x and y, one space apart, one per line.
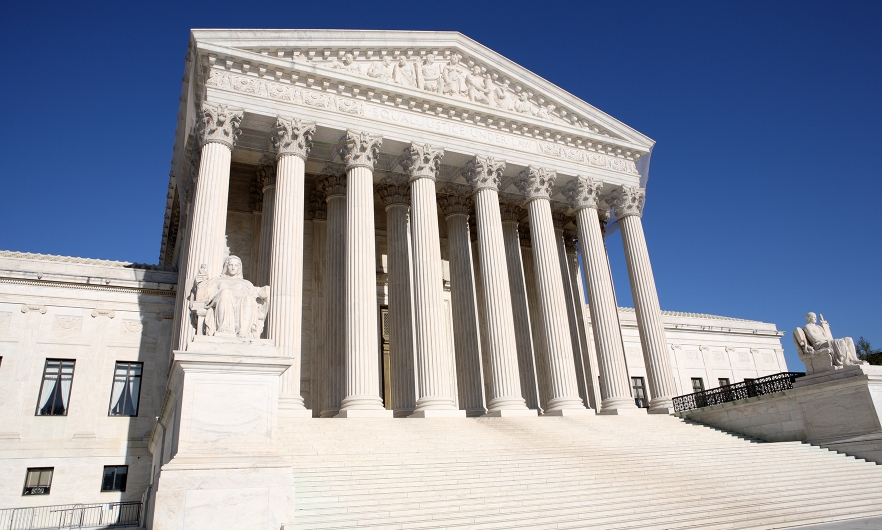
652 472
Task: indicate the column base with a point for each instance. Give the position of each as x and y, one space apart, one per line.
439 413
662 405
512 413
570 412
364 413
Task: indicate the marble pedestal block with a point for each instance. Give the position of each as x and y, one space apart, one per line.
227 472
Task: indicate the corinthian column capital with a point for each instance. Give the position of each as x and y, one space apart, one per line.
536 182
627 201
583 192
510 212
393 193
455 205
331 185
317 206
421 161
359 149
484 172
218 123
266 176
292 137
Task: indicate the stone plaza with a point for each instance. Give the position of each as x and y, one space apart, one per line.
383 299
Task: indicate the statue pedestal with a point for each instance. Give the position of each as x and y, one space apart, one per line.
225 470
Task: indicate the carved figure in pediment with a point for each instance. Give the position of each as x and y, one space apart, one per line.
477 86
819 351
454 77
228 305
404 73
381 70
429 75
347 64
503 97
523 104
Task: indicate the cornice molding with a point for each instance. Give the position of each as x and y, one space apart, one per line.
84 261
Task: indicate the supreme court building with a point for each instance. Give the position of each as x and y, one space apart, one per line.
418 226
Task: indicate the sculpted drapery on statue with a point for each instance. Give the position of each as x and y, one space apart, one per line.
228 305
819 350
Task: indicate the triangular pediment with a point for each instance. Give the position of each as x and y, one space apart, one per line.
444 73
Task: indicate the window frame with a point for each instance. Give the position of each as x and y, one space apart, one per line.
113 383
115 475
701 384
644 399
60 373
721 379
26 490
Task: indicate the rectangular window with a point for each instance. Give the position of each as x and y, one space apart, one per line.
126 389
114 478
55 389
724 381
697 384
38 481
638 391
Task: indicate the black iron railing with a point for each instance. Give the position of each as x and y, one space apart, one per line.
108 515
742 390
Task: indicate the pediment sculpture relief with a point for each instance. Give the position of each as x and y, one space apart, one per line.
819 350
228 305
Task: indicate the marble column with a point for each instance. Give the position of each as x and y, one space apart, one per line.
511 214
318 389
291 141
559 219
583 195
359 151
332 184
536 184
421 163
463 294
255 204
589 357
186 185
628 202
482 315
537 328
483 174
217 129
266 178
396 198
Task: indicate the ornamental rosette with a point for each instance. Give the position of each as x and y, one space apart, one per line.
292 137
359 149
510 212
583 192
484 172
536 182
219 123
451 205
421 161
393 193
627 201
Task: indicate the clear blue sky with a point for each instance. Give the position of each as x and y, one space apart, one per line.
765 181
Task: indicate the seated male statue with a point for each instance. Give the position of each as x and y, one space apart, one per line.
229 305
819 350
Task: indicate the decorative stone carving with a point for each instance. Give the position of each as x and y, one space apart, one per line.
421 160
228 305
359 149
524 235
454 76
391 193
218 123
627 200
478 86
404 73
582 192
318 208
510 212
603 218
68 323
559 219
25 308
381 70
536 182
347 64
484 172
109 313
455 205
819 350
429 75
332 183
292 137
571 241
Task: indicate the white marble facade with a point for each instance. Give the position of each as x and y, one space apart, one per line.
286 141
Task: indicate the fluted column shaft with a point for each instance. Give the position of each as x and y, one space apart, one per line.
562 369
649 316
286 274
207 241
401 339
604 316
470 377
505 380
362 348
569 300
589 355
265 256
537 327
335 338
521 314
319 381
